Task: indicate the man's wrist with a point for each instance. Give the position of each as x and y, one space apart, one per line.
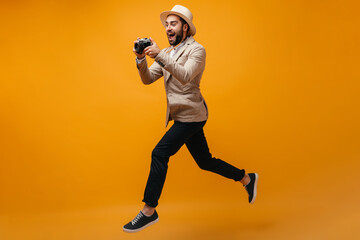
140 60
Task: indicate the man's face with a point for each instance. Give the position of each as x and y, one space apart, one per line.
174 30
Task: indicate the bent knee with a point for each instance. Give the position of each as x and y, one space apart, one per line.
205 164
157 153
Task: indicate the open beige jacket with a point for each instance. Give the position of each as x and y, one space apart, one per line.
182 75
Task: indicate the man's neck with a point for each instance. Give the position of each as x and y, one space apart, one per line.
184 39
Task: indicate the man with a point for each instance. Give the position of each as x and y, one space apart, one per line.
182 65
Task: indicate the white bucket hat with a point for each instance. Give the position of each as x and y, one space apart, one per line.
182 12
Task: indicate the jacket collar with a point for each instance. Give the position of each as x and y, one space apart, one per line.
188 41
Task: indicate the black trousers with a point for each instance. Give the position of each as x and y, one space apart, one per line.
191 134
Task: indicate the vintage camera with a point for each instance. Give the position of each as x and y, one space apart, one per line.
142 44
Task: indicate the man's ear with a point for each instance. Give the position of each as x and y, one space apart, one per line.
185 27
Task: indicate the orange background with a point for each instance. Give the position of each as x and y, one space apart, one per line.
78 127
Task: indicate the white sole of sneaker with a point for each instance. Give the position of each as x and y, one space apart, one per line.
139 229
255 188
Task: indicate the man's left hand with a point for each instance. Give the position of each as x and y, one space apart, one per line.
153 50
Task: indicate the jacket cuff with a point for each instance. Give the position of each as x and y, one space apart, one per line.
141 64
138 61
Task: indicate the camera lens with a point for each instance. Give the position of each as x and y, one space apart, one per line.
138 48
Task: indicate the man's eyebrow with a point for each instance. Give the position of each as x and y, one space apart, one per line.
172 21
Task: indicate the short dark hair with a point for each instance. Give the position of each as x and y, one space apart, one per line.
183 23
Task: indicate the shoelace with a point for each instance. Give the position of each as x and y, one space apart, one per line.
137 218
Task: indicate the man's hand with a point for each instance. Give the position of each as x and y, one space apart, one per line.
153 50
139 56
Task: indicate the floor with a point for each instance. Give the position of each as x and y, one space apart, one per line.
317 209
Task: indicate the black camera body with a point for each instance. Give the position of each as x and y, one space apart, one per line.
142 44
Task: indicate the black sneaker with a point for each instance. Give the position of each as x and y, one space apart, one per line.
140 222
251 188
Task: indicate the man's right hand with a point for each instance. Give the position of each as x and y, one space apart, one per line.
139 56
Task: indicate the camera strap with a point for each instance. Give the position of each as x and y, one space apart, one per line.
168 51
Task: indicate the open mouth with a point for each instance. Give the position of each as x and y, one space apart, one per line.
171 36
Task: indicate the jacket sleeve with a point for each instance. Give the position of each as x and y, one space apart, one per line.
149 75
194 65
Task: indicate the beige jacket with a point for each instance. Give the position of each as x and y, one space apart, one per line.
182 75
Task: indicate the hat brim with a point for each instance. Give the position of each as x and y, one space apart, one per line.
164 15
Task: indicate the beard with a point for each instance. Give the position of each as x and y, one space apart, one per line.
175 39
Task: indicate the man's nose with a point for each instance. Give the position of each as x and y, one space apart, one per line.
168 28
